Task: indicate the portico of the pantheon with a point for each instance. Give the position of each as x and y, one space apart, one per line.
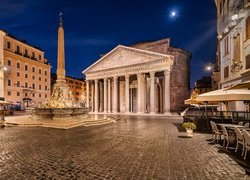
145 78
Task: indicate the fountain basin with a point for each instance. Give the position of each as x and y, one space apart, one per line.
57 113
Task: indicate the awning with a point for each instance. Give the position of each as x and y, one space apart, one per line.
4 102
243 85
192 101
225 95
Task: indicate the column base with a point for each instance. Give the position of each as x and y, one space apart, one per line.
152 113
167 113
140 113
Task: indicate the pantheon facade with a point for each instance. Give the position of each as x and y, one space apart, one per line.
145 78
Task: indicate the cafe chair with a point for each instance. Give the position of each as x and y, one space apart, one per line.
226 137
240 140
215 132
246 125
240 123
246 136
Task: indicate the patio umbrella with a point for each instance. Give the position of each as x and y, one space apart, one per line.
223 95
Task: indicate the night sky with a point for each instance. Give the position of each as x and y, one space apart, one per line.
94 27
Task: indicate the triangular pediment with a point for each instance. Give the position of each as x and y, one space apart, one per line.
123 56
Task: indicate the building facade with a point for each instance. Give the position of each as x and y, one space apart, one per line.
24 72
233 28
203 85
148 77
77 87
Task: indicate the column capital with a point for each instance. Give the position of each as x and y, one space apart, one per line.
167 72
152 73
115 77
127 76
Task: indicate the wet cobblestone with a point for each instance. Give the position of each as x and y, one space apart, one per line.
132 148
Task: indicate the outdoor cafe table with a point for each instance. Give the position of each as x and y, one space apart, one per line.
230 126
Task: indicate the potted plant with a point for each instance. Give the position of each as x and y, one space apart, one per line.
189 126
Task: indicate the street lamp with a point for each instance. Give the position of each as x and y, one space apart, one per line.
209 67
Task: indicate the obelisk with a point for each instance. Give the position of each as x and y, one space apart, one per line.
60 52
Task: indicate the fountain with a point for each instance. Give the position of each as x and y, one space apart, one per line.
61 104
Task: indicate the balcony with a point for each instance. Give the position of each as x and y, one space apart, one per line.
27 89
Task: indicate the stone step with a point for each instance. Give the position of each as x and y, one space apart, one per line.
99 122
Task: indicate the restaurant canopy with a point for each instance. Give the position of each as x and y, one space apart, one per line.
4 102
225 95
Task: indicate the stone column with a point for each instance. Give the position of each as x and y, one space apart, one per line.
139 94
167 92
105 95
127 94
96 96
92 96
109 96
101 97
152 92
87 93
115 100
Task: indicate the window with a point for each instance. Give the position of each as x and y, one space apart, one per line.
33 69
45 72
248 27
18 65
33 77
9 82
8 45
40 71
248 61
40 87
26 52
45 95
9 93
33 54
226 72
33 95
26 68
9 62
26 76
18 49
45 79
46 88
18 83
226 51
40 57
26 85
26 94
40 78
40 95
33 86
18 93
18 74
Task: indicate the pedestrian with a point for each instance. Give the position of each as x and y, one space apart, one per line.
2 114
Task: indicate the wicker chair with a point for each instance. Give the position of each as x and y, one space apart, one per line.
246 136
240 140
246 125
215 132
240 123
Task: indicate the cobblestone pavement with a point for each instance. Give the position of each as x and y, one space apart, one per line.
132 148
